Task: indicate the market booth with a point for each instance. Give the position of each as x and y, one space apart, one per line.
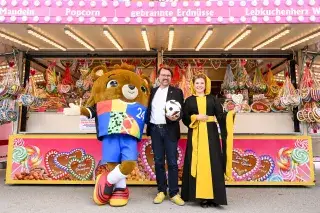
244 47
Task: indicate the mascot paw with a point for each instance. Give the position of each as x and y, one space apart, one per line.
119 197
102 189
73 110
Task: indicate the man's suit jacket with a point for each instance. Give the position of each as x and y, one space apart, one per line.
173 126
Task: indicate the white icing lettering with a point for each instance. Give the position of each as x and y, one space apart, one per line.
84 13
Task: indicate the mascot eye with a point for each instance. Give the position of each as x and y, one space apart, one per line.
143 89
112 83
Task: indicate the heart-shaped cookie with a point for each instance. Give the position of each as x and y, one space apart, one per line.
274 88
300 116
63 158
265 169
64 88
83 168
148 159
55 172
237 98
229 105
84 71
79 83
244 164
259 106
316 112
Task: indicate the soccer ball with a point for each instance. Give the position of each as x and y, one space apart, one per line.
173 108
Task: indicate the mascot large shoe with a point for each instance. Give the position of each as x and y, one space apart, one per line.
118 102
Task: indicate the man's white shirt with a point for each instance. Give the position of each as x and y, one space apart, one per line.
158 106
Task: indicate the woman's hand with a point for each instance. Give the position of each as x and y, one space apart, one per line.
201 117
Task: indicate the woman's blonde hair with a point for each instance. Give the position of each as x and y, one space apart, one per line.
203 76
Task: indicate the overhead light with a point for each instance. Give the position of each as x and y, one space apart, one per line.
239 37
313 65
16 40
73 35
276 36
4 67
112 39
204 38
171 37
145 39
303 39
45 39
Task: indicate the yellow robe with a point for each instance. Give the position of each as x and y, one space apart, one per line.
201 166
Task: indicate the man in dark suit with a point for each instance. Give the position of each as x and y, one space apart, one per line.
165 133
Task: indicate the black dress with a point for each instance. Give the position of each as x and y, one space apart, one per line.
217 153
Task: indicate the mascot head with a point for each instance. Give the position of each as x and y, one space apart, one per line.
121 82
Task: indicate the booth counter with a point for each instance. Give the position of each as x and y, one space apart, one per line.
266 151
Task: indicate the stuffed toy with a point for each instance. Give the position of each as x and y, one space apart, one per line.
118 102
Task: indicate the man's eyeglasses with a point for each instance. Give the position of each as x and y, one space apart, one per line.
168 76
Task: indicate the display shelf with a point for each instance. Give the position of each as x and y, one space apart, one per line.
74 159
245 123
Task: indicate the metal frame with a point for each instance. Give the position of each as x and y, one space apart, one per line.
96 54
192 54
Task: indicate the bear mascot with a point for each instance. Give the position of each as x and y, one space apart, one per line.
118 102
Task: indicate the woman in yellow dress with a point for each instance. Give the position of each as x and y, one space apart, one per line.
205 160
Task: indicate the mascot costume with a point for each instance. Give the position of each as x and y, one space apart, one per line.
118 102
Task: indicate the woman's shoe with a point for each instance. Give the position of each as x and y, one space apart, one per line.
204 204
214 204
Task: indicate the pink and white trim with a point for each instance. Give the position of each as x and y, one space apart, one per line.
159 13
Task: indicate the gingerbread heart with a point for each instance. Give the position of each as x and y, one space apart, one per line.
244 164
64 88
265 169
62 159
316 112
229 105
84 71
148 159
237 98
274 88
55 172
83 168
300 116
259 106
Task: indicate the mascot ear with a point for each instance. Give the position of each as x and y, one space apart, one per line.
98 71
146 80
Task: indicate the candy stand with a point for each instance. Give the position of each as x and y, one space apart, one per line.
63 41
272 154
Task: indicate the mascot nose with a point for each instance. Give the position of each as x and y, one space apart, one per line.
131 87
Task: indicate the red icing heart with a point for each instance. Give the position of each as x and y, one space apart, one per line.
244 164
11 64
265 169
55 172
62 159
